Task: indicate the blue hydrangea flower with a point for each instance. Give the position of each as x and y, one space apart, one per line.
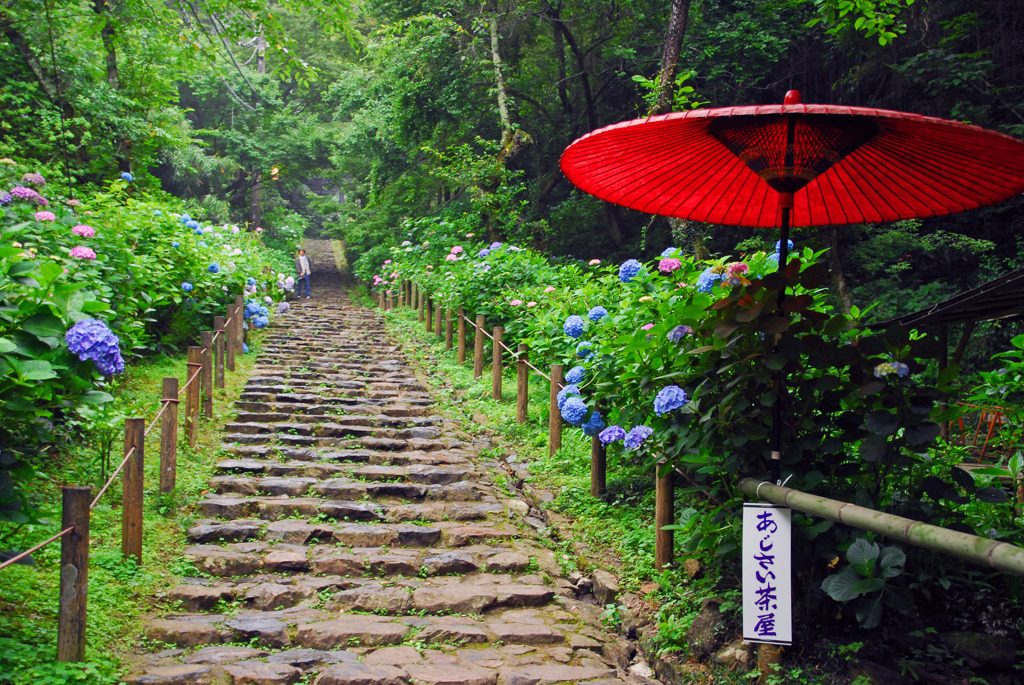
92 339
671 397
185 218
707 279
199 231
594 424
597 313
576 375
260 321
611 434
669 251
191 223
157 212
635 437
573 326
679 332
584 349
250 281
245 349
773 259
483 253
778 245
126 176
629 269
213 268
201 243
564 394
574 410
186 286
494 246
175 244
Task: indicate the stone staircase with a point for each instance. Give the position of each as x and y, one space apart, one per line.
353 536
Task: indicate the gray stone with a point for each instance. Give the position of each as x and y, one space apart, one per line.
200 597
393 656
368 631
525 633
362 674
235 531
453 633
448 563
267 631
450 674
182 633
735 656
343 510
176 674
507 562
223 655
311 658
706 631
978 649
549 674
460 599
373 598
268 596
259 673
606 587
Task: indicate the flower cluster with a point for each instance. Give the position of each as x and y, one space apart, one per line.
576 375
45 216
127 176
573 326
597 313
706 281
669 398
887 368
83 230
629 270
33 178
679 332
92 339
82 252
29 195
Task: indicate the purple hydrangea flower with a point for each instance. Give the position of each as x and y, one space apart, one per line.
28 194
34 178
679 332
92 339
635 437
564 394
629 269
283 307
576 375
175 244
611 434
671 397
706 281
597 313
245 349
594 424
494 246
5 197
574 410
573 326
250 281
483 253
584 349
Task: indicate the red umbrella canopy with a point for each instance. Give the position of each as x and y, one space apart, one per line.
833 165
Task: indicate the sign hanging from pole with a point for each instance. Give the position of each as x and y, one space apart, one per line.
767 589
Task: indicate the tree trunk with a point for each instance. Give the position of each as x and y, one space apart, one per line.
499 80
31 61
563 93
107 34
670 56
830 237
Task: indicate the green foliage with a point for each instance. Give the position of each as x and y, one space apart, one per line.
869 569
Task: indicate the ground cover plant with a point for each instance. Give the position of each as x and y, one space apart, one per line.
675 361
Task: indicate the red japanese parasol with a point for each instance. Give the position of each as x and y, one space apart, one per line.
805 165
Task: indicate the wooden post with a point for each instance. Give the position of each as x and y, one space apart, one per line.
448 329
74 575
478 347
768 659
664 506
218 352
239 320
169 435
195 363
437 321
462 336
131 494
421 303
522 384
206 376
496 332
598 477
229 338
429 313
554 416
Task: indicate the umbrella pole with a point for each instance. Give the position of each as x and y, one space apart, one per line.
786 202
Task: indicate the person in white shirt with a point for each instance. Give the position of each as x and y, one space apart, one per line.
302 267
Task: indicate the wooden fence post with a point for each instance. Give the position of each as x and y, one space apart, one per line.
206 376
448 329
437 320
169 435
478 347
218 352
421 303
496 350
194 364
429 314
598 470
555 417
664 505
522 385
74 575
239 321
229 339
131 494
462 336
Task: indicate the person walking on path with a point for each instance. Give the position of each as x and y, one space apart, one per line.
302 266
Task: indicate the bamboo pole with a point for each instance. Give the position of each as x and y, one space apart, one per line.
554 416
169 435
664 505
229 338
522 384
478 347
496 333
131 493
1001 556
206 375
462 336
598 468
195 362
448 329
218 352
74 575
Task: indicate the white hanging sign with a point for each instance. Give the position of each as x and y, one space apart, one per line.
767 591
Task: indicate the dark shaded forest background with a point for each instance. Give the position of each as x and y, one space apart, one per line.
349 120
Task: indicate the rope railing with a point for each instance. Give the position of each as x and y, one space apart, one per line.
514 353
27 552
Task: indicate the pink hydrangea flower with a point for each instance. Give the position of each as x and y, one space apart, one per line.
457 249
668 265
84 230
387 261
469 235
73 203
83 252
46 216
259 229
236 229
516 303
737 269
394 274
531 303
595 262
450 258
647 327
549 289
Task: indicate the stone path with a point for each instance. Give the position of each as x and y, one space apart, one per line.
352 536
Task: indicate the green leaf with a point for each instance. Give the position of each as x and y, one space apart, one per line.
881 422
36 370
43 326
862 551
962 478
96 397
891 561
840 586
6 346
992 495
865 586
921 434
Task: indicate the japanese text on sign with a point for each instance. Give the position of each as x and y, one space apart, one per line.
767 598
